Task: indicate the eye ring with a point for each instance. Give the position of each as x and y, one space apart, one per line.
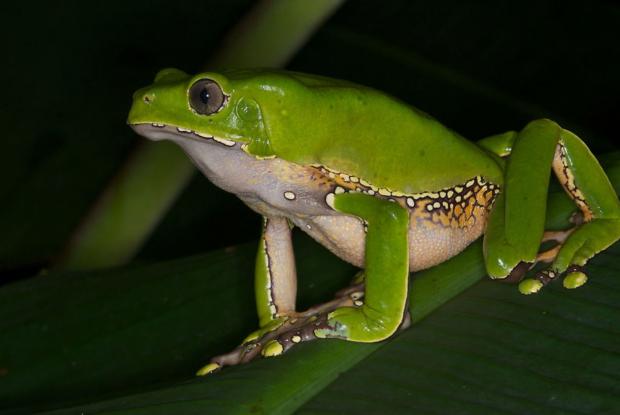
206 97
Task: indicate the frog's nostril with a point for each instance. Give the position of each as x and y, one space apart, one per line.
148 98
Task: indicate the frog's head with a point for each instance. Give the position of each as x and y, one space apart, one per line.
230 107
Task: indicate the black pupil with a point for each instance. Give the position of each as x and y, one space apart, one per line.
204 96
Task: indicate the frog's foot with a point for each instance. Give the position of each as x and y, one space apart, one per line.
574 277
319 326
571 255
282 333
522 268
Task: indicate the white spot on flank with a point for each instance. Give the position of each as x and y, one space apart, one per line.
202 135
296 339
289 195
183 130
158 125
410 202
329 199
339 190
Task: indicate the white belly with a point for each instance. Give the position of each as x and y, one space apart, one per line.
429 243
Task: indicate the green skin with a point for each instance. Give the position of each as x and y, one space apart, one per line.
274 130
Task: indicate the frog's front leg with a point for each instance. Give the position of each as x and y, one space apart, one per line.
384 304
275 285
275 281
516 223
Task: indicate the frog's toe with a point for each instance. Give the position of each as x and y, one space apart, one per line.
530 286
541 279
208 369
575 277
272 348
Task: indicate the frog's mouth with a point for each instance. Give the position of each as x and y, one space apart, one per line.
156 132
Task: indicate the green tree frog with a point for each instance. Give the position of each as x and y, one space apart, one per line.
379 183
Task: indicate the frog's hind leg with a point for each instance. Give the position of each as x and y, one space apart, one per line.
516 224
584 180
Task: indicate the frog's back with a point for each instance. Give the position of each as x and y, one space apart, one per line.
364 133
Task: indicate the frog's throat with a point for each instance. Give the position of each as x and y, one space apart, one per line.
156 132
225 163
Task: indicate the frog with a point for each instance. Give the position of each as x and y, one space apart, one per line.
379 183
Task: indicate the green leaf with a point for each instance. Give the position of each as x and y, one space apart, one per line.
71 338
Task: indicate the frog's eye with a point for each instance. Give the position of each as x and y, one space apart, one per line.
206 97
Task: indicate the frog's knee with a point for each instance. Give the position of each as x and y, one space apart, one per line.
500 261
542 123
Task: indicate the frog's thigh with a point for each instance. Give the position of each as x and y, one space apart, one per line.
516 223
275 281
386 272
587 184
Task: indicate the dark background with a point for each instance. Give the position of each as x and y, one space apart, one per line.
69 69
480 67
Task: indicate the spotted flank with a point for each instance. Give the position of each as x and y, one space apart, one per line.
455 207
